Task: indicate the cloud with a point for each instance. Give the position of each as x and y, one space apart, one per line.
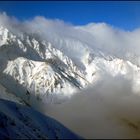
65 36
109 108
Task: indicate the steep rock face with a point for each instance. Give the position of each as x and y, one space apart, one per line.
38 67
43 78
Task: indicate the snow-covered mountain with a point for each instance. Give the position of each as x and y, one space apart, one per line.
34 69
41 69
30 66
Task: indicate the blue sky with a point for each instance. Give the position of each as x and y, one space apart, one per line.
124 14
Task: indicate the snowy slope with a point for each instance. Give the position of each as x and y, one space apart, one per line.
18 121
6 95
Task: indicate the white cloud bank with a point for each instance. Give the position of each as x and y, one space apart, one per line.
65 36
109 109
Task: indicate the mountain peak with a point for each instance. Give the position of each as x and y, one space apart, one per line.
47 71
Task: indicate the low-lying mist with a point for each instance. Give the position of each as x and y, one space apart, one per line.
108 109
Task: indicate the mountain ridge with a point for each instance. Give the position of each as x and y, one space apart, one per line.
48 73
